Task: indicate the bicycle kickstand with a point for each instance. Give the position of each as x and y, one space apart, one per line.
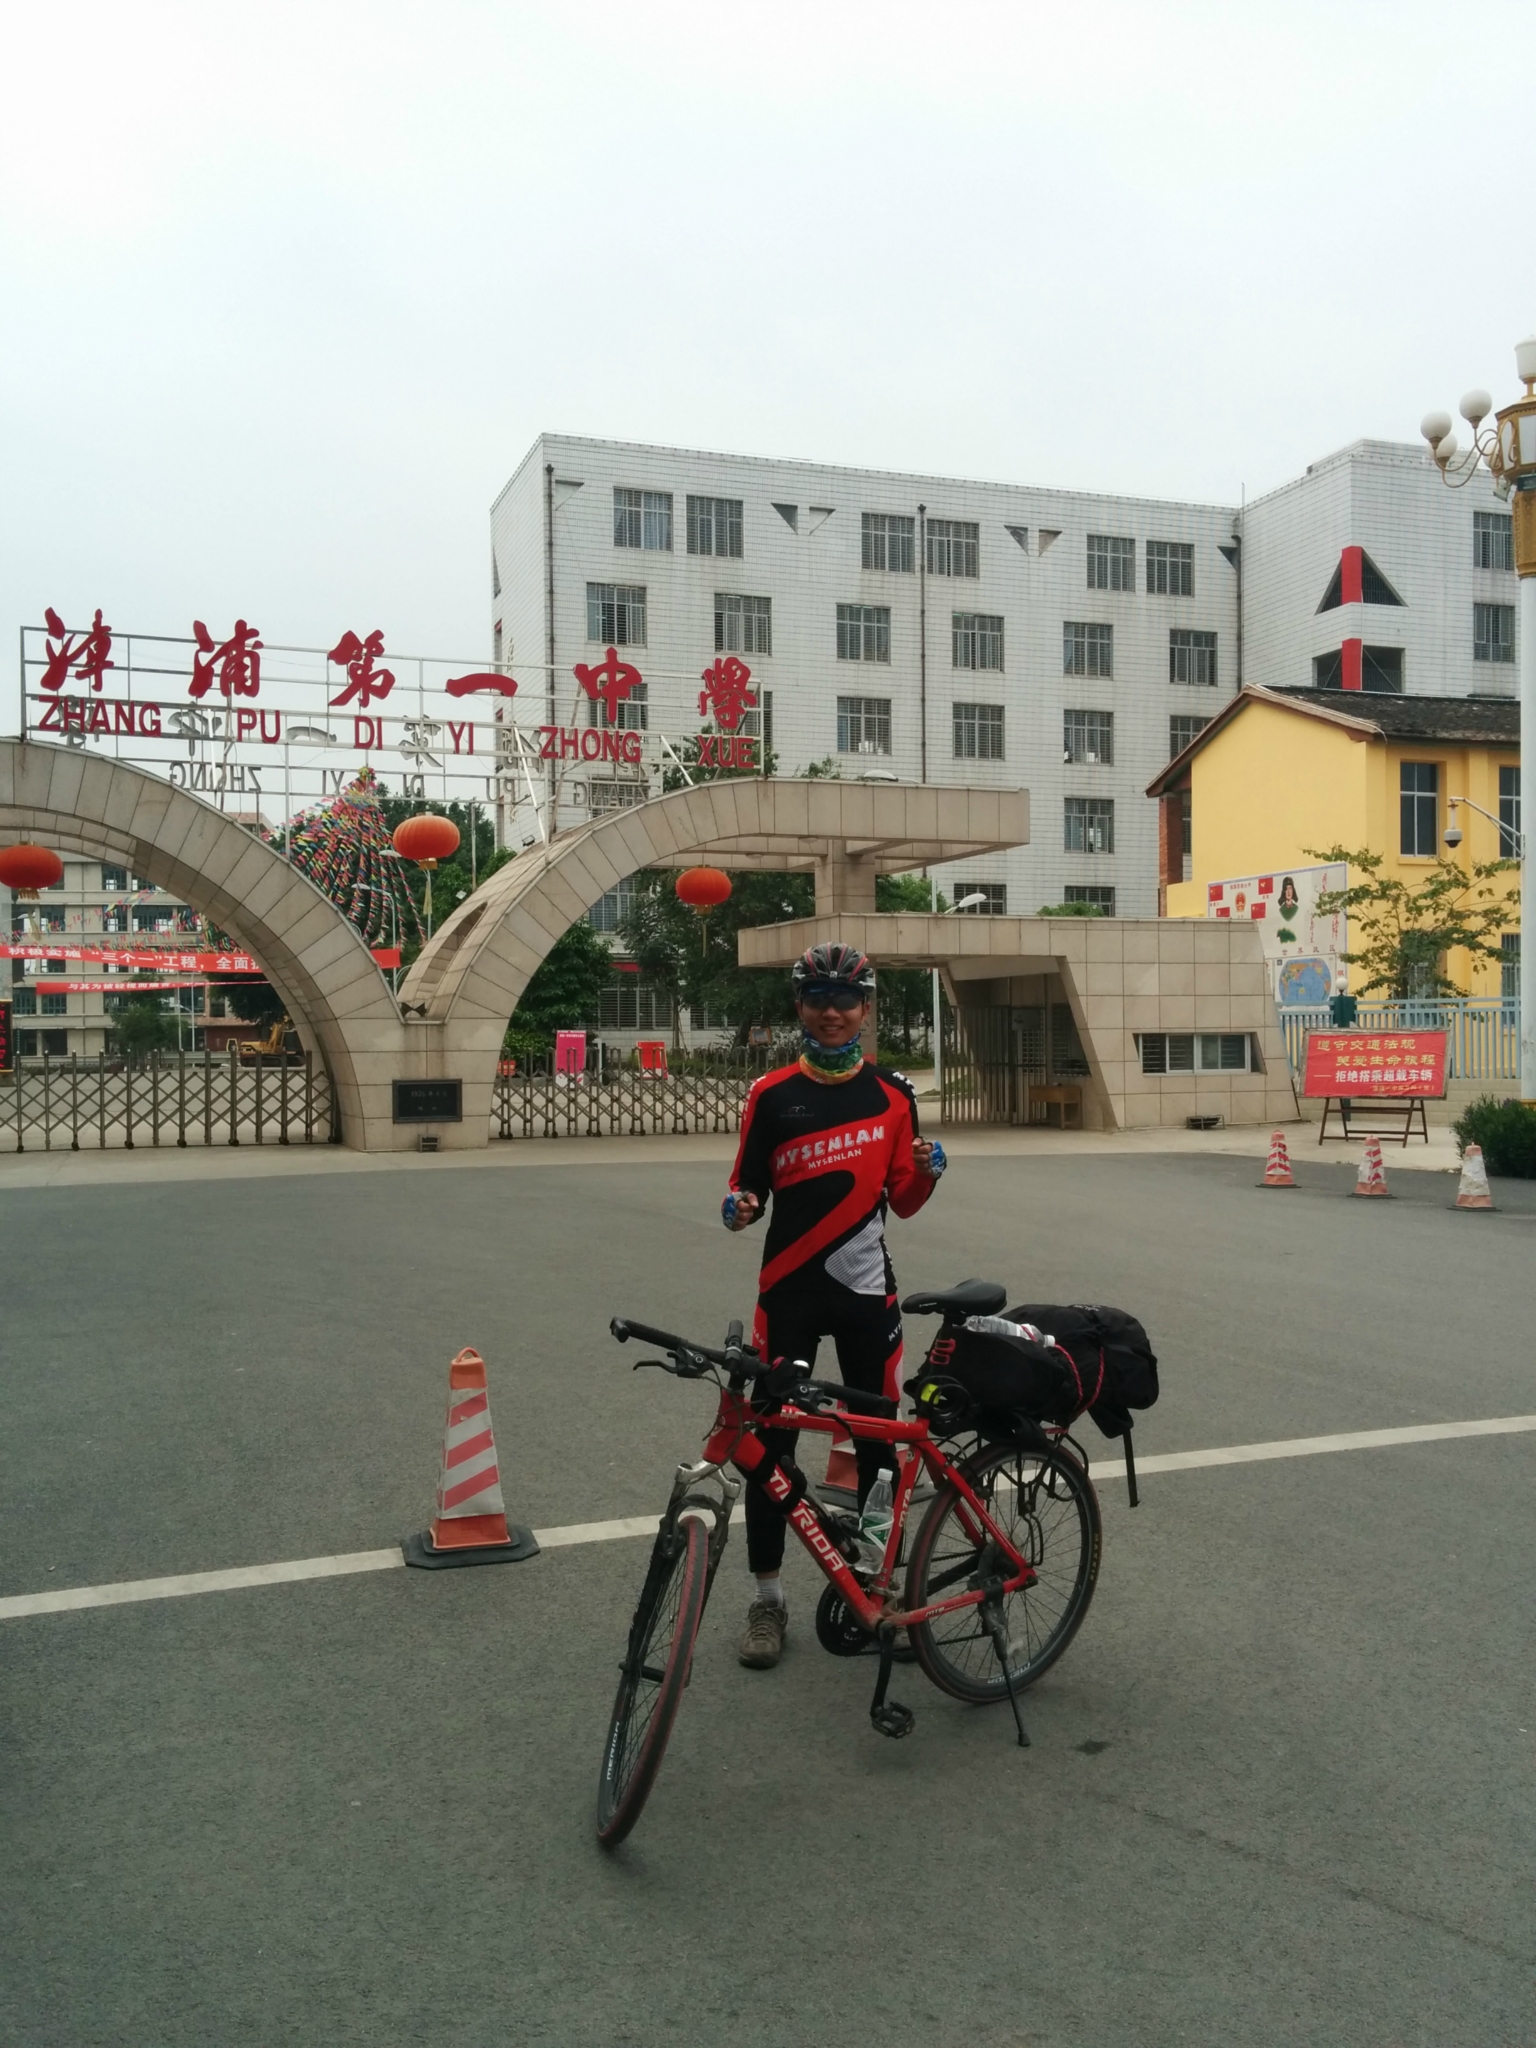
992 1621
889 1717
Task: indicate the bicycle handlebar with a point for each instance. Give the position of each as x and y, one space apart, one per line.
734 1359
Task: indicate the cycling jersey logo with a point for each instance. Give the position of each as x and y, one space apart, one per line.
811 1155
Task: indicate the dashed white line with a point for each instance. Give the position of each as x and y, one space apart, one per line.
67 1599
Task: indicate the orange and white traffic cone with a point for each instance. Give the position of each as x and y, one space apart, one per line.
1474 1191
470 1526
842 1469
1372 1177
1277 1174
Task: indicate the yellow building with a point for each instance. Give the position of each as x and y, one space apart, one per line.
1277 772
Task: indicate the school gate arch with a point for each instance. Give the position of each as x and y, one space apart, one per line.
454 1004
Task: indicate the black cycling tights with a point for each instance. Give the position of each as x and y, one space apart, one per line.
866 1329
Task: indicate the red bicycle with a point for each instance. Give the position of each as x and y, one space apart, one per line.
1001 1570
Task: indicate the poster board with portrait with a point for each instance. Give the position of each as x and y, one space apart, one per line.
1303 946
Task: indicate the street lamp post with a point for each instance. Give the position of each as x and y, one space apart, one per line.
1508 449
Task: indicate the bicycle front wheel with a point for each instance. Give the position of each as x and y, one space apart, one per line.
1046 1506
657 1661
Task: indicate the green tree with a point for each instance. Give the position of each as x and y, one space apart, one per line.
142 1027
253 1001
453 880
1407 929
664 939
564 995
905 994
1071 910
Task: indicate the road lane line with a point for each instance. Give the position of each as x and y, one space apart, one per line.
67 1599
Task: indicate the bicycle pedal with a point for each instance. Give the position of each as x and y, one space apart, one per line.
892 1719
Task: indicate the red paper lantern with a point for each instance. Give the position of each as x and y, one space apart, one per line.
426 839
703 889
26 869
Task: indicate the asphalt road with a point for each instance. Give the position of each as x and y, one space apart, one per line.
1280 1790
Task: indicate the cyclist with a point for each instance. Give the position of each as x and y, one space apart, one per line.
833 1141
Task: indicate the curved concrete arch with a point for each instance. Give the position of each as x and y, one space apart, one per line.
319 963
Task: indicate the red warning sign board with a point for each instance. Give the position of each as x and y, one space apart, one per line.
1402 1063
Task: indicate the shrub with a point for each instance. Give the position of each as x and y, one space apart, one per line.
1505 1130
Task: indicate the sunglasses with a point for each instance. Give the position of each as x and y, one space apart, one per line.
841 998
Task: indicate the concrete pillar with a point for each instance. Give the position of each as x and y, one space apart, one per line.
844 881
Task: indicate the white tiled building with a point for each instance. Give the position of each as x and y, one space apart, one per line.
961 632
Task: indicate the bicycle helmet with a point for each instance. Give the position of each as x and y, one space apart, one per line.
833 965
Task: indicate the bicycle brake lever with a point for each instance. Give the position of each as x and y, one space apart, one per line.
641 1363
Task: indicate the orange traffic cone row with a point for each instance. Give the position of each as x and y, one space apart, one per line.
1277 1174
470 1526
842 1470
1474 1191
1372 1177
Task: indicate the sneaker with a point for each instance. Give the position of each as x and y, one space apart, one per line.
764 1638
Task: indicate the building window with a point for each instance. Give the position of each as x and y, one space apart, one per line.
1090 824
630 714
24 1001
863 632
616 614
1096 898
26 1045
642 519
1419 806
1509 813
1192 657
954 547
994 899
1194 1052
743 625
1170 568
1493 632
1088 736
1509 967
1087 650
1111 562
608 795
55 1043
55 1005
888 541
630 1004
114 881
1381 670
978 732
714 526
863 725
1493 540
613 906
977 639
1181 730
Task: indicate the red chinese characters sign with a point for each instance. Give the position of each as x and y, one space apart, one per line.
1400 1063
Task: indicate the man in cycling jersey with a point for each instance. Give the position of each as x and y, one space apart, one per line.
832 1141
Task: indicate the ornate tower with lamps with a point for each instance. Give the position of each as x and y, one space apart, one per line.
1508 448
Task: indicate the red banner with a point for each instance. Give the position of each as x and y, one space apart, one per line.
1401 1063
121 987
159 956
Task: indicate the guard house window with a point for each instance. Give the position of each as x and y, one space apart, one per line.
1090 824
630 1004
1089 736
1493 632
613 906
1087 650
1509 813
1182 729
1194 1052
954 547
1192 657
630 714
1493 540
1509 967
863 632
1088 893
1111 562
642 519
888 541
714 526
1170 568
616 614
863 725
994 899
977 639
1419 806
743 625
978 732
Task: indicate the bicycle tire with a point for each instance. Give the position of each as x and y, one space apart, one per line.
657 1661
1046 1503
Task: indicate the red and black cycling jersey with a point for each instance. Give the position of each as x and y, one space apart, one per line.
832 1156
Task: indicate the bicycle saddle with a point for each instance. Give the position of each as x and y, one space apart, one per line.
970 1298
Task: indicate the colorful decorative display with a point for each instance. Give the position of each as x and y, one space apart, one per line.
703 889
426 839
26 869
344 849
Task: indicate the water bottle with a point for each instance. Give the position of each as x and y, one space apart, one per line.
999 1326
875 1518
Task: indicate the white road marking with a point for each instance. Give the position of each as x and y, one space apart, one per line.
68 1598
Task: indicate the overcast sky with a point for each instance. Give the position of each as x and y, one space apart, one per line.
290 289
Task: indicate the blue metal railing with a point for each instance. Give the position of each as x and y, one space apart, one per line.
1482 1032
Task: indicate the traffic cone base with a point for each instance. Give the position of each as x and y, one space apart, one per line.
1473 1191
842 1470
1372 1177
1277 1173
470 1526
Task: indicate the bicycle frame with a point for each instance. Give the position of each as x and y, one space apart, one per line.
733 1441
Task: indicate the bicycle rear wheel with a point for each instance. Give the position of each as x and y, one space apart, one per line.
1046 1506
657 1660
